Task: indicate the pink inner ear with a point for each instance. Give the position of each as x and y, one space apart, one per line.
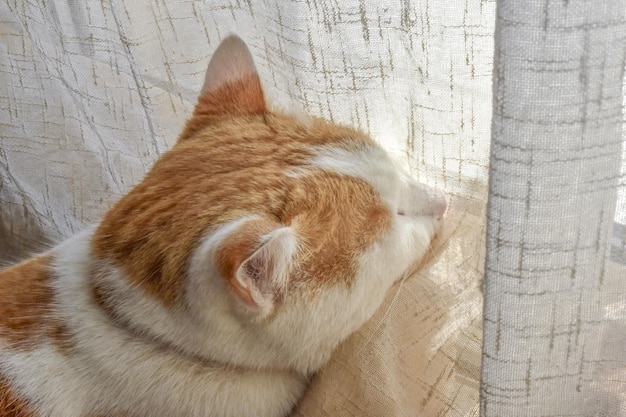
251 278
243 292
231 84
255 260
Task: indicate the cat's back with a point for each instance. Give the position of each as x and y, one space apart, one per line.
26 323
25 293
26 306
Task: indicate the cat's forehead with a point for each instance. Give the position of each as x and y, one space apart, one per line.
365 161
326 146
347 152
289 147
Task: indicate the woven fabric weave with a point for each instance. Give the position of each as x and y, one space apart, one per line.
555 297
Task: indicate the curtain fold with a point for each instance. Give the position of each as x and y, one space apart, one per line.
555 299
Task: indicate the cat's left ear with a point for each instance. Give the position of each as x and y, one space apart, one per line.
231 84
256 261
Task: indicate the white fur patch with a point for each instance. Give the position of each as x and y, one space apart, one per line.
372 164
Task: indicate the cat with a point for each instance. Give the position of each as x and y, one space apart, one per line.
225 279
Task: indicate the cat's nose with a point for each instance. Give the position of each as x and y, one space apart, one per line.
440 204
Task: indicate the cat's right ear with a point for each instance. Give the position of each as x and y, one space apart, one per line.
231 84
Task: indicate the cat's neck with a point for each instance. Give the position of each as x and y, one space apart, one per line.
219 338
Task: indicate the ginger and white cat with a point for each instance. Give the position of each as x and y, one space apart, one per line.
219 284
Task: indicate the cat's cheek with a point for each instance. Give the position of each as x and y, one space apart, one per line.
379 267
420 231
405 243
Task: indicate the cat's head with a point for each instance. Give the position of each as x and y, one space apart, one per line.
269 237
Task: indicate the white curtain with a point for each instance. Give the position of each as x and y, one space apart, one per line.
91 92
555 286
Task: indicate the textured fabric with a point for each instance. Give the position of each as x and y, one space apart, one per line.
91 92
555 298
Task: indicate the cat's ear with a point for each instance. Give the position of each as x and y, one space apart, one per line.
231 83
256 261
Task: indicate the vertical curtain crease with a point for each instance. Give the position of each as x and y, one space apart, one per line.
555 301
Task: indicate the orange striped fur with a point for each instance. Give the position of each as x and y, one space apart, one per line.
223 280
26 311
11 405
